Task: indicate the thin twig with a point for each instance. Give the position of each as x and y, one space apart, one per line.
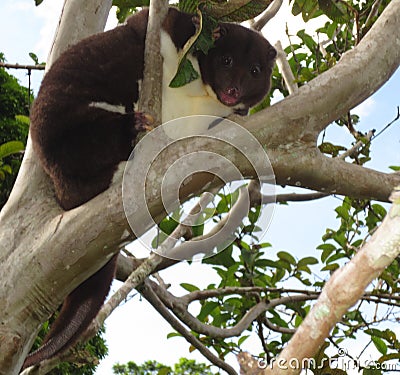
372 14
359 144
286 71
148 292
20 66
388 125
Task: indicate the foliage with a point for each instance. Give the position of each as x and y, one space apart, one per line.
14 126
210 13
183 367
85 357
251 262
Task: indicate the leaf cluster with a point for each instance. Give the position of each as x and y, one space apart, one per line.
183 367
14 127
85 358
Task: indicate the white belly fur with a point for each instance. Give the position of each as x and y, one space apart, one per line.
195 98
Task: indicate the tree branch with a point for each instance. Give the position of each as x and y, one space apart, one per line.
21 66
285 69
344 289
152 297
180 309
150 91
32 220
270 13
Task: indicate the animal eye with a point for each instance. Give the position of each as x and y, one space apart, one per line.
227 61
255 70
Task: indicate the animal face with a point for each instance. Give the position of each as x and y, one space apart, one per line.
239 67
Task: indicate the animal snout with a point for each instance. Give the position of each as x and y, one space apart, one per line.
233 92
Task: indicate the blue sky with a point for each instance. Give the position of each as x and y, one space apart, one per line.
25 28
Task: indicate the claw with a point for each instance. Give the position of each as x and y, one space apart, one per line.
143 122
196 22
216 34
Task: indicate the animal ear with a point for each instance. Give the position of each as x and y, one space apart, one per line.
220 30
272 53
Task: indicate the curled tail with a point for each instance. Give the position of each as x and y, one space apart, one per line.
77 312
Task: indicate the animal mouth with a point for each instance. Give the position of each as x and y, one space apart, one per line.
229 96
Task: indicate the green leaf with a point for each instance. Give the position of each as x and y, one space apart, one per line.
283 255
127 7
330 267
222 258
306 261
189 287
173 334
10 148
372 371
307 40
24 119
205 40
164 371
330 149
168 225
264 263
387 334
6 168
185 71
307 8
242 339
335 10
207 309
245 11
38 2
188 6
184 75
197 230
379 344
32 55
389 357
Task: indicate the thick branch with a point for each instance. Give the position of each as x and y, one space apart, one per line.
344 289
288 130
31 210
179 308
270 13
360 73
150 98
149 294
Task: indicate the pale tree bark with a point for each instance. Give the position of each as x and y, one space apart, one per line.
341 292
46 252
32 213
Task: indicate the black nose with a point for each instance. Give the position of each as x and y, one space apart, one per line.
233 92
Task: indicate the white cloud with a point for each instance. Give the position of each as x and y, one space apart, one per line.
22 5
365 108
276 29
48 14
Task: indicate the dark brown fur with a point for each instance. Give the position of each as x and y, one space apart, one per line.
247 76
80 146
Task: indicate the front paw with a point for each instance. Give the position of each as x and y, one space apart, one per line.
143 122
217 33
196 22
241 111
